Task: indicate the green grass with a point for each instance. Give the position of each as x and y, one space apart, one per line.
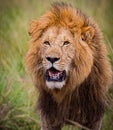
17 93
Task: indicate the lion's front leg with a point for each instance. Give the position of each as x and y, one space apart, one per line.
46 124
51 118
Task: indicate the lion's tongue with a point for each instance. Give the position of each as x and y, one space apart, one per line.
54 74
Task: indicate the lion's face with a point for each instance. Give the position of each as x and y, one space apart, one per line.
60 58
57 52
61 53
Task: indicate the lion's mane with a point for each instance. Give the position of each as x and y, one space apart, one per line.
82 98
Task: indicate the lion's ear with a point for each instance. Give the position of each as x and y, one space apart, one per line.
87 33
32 27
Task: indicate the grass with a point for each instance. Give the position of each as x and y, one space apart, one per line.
17 93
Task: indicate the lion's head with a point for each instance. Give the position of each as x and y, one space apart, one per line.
63 48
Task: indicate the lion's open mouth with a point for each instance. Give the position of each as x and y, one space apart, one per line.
53 74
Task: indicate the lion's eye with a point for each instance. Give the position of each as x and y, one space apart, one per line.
47 43
66 43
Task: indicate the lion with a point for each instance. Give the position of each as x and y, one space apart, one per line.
68 62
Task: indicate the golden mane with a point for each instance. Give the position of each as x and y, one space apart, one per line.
60 15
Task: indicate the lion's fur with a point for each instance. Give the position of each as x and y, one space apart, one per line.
82 98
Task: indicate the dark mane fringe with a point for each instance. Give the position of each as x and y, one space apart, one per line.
58 5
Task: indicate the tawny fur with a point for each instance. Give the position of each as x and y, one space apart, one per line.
82 97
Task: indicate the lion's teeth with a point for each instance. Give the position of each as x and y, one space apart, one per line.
54 75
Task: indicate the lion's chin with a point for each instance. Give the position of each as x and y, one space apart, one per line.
55 85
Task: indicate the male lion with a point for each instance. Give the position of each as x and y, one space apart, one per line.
68 61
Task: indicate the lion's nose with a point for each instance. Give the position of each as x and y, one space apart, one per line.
52 59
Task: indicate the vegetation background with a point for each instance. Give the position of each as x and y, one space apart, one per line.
17 93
